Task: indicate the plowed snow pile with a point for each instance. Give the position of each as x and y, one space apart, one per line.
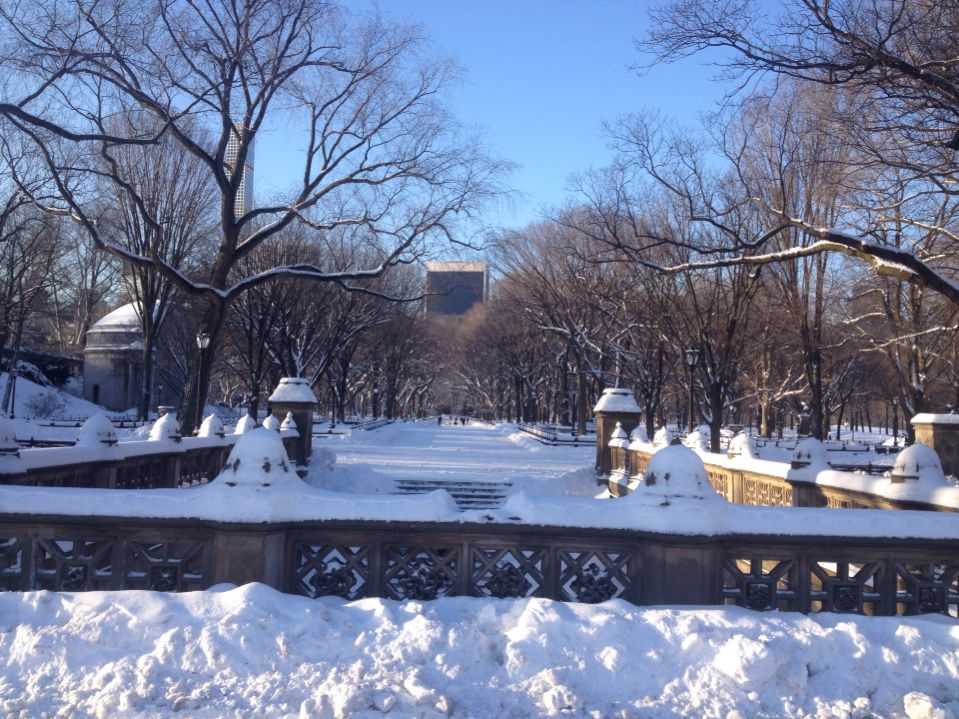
253 652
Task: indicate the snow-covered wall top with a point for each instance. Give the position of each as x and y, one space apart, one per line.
616 399
930 418
293 389
294 500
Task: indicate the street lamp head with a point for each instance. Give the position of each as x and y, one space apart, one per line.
202 340
692 357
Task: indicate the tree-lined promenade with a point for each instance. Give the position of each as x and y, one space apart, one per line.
801 241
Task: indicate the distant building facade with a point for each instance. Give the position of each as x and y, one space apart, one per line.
113 360
244 195
453 288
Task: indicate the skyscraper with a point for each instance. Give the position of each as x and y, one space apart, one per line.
452 288
244 195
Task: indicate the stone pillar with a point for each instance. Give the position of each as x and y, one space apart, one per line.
617 405
293 395
941 432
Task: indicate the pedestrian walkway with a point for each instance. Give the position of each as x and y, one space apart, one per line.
477 464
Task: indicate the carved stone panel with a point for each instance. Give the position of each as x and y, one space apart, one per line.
419 572
338 570
760 583
593 576
845 587
74 565
167 565
11 563
501 573
927 588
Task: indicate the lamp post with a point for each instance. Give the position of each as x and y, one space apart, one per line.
202 343
895 421
692 359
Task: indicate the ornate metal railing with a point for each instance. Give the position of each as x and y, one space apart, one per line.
550 435
430 560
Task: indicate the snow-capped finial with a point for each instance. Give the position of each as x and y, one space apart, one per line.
918 462
8 438
212 427
245 424
271 422
742 445
677 472
166 429
810 452
97 431
289 424
663 437
639 435
258 460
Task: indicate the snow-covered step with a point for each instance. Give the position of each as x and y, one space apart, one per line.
467 494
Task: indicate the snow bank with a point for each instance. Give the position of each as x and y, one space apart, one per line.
252 652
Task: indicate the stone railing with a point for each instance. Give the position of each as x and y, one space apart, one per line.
767 483
426 560
147 464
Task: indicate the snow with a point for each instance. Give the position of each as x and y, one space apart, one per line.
246 424
551 486
616 399
293 389
165 429
253 652
124 318
212 426
96 433
929 418
677 472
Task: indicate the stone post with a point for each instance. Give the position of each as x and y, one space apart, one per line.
941 432
293 395
617 405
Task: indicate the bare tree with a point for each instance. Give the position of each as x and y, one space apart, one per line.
382 158
896 65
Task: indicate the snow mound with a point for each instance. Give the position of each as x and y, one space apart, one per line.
258 459
246 424
809 459
698 438
289 424
663 437
212 427
919 462
97 432
639 435
677 471
253 652
271 422
166 429
743 445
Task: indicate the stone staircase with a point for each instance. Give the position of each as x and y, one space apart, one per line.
467 494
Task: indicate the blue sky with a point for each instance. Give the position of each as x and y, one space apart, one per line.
540 77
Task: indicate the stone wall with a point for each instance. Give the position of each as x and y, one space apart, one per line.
871 575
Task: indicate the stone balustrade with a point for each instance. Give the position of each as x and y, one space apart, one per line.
777 484
417 560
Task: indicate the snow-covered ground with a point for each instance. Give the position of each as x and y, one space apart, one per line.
252 652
